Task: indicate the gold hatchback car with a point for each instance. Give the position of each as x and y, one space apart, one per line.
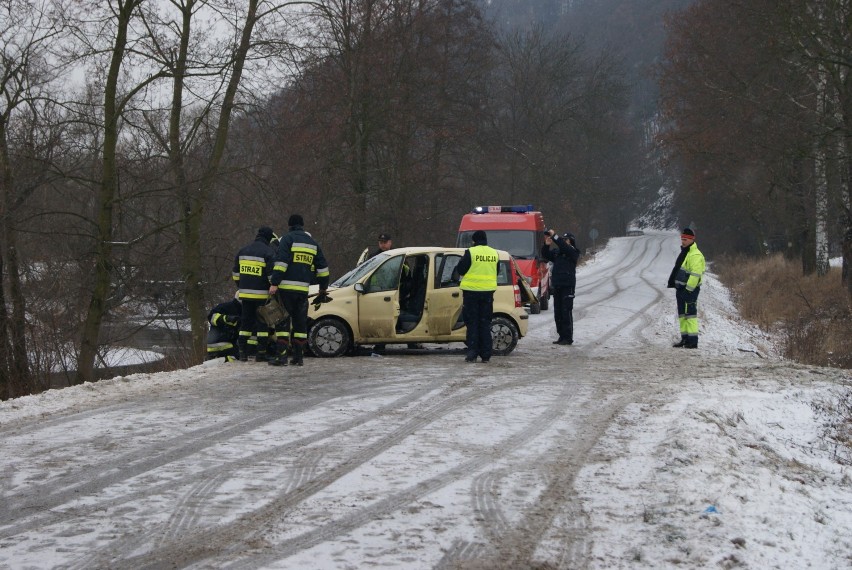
412 295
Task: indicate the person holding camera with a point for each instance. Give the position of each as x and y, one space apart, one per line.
563 253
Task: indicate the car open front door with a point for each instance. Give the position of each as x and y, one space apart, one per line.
378 304
444 303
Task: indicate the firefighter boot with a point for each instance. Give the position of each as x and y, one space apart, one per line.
279 358
680 344
297 355
242 347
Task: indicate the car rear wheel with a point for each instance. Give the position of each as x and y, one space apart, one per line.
328 338
504 336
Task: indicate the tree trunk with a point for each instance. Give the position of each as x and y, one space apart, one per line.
16 362
5 373
191 264
846 198
103 247
193 255
821 182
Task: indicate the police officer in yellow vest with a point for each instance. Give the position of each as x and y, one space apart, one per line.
478 268
686 279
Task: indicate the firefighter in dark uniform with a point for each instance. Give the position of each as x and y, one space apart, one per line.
563 253
478 268
224 321
298 261
252 269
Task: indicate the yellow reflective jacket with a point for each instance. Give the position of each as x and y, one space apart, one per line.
482 274
691 270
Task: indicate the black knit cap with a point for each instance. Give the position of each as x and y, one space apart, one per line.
265 232
480 238
295 220
687 232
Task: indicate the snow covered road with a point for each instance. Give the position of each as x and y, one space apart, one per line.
598 455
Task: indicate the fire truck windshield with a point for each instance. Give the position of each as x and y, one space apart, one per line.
521 244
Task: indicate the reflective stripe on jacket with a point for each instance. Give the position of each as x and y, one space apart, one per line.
691 270
252 268
482 274
298 261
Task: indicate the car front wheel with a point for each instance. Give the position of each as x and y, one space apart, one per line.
328 338
504 336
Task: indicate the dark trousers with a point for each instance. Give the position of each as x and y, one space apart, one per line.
563 312
294 329
221 341
477 309
251 331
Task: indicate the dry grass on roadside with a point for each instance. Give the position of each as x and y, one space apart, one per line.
811 315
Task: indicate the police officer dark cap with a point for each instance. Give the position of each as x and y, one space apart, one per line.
295 220
480 237
384 237
266 233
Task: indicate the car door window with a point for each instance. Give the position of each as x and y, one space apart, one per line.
386 277
504 273
446 275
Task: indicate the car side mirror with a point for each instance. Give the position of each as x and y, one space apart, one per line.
359 287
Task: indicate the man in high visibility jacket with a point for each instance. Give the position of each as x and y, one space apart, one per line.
478 268
686 279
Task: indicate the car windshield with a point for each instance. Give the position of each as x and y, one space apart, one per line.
521 244
360 271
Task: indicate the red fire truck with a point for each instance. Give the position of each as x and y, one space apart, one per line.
518 230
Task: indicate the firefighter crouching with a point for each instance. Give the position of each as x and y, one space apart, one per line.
224 321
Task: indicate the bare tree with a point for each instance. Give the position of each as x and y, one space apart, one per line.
756 115
371 135
206 75
116 97
27 28
559 115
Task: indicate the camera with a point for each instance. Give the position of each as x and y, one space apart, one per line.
548 233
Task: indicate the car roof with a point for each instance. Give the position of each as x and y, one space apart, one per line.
437 249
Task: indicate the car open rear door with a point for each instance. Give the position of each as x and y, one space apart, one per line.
527 295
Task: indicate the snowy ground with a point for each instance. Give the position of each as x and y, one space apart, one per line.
617 452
